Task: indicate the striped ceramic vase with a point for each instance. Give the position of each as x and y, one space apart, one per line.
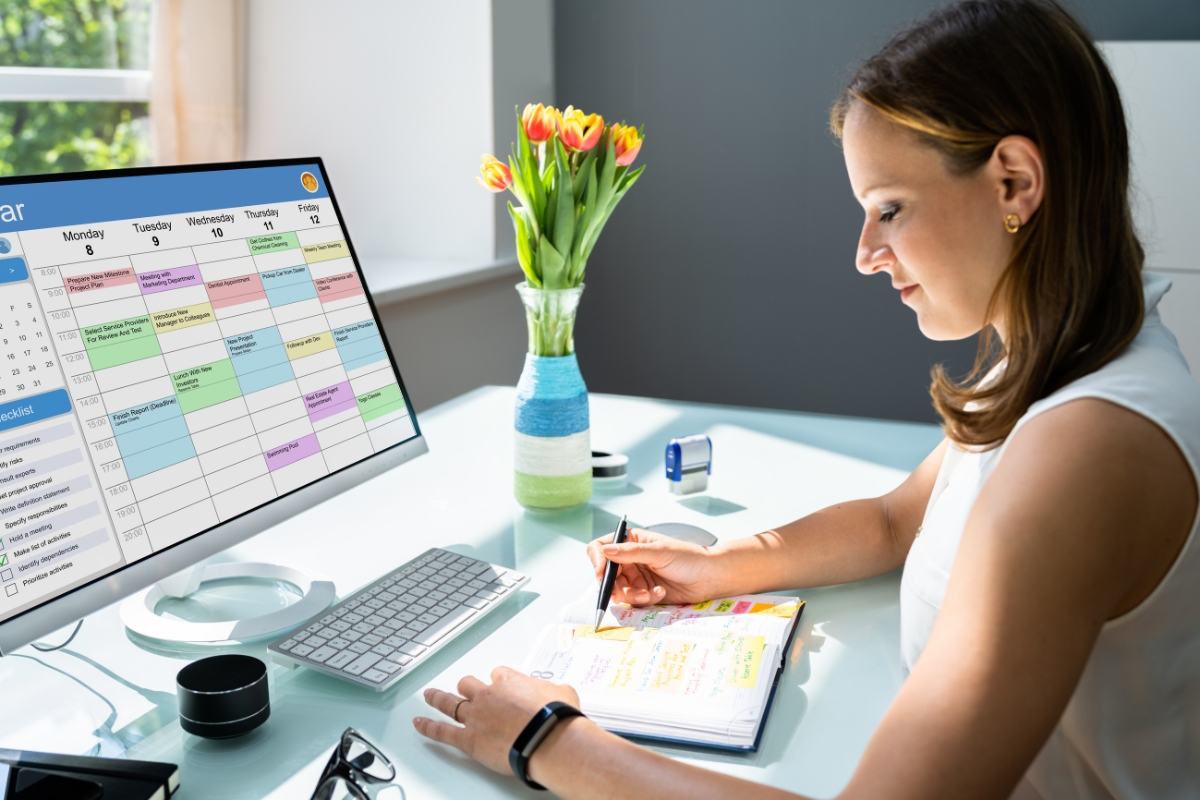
553 454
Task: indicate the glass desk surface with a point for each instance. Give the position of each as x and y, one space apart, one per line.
108 695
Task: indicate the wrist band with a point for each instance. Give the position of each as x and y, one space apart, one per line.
534 734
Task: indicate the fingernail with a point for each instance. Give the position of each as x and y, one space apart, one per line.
417 721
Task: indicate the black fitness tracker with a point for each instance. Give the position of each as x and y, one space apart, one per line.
534 734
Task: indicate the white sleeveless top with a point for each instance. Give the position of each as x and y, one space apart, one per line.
1132 728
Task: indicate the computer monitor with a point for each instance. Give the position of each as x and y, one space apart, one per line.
188 356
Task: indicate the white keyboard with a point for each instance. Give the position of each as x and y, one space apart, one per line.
386 629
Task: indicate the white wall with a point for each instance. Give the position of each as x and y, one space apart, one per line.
1160 86
396 96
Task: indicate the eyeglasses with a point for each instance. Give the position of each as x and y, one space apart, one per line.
357 770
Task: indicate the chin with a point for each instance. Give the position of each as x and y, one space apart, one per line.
939 331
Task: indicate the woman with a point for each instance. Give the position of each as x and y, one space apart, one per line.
1050 588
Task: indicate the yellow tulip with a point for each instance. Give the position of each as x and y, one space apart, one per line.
496 175
579 131
626 143
538 122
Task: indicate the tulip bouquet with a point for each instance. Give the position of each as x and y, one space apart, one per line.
568 170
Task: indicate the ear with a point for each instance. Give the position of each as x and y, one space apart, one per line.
1017 166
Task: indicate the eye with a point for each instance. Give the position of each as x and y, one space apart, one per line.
888 213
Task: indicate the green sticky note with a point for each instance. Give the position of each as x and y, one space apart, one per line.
3 559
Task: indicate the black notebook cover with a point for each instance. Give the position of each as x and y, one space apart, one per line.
162 775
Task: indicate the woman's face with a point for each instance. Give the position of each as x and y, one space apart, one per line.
940 236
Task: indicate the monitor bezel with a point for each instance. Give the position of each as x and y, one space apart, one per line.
106 589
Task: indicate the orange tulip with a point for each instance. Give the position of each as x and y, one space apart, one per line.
626 143
577 131
538 122
496 175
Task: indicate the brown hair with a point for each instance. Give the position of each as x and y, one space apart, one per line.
962 79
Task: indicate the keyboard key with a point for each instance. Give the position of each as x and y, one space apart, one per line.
476 602
315 641
407 633
449 604
363 627
353 604
374 590
301 636
476 584
374 620
327 619
458 598
338 643
365 596
322 654
372 639
392 625
327 633
383 649
375 675
341 659
353 619
444 626
426 602
386 597
498 588
417 591
341 625
360 648
428 619
288 645
375 602
393 641
301 650
362 663
388 583
399 658
407 583
486 595
316 626
457 583
427 585
417 625
341 612
406 616
351 636
438 611
412 649
384 630
390 667
386 613
438 595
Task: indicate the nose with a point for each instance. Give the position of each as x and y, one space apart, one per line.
874 254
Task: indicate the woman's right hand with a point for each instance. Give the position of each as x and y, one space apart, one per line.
656 569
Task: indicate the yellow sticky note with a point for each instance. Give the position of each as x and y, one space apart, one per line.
745 661
725 606
785 610
702 606
609 634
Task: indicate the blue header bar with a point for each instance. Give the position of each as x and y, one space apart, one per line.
100 197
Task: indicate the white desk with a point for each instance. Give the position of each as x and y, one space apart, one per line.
769 468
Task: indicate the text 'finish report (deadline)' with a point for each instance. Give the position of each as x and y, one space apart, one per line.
164 373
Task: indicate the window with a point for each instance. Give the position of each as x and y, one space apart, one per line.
74 85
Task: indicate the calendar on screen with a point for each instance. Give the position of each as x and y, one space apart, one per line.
176 349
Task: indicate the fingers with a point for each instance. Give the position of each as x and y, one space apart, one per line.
596 557
469 686
443 732
650 553
442 701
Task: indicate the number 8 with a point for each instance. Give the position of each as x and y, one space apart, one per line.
545 676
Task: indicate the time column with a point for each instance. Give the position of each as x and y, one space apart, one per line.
66 292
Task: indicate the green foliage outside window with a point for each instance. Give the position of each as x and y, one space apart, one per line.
66 136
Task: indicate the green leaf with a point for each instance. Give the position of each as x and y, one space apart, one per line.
551 265
583 224
564 221
584 174
524 247
626 183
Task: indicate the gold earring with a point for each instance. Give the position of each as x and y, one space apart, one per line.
1012 223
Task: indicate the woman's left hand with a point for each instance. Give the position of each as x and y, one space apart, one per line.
490 716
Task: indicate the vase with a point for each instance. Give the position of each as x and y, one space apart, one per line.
552 453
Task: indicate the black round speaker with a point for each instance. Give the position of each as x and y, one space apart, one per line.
223 696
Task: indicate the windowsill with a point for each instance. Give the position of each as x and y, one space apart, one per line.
394 280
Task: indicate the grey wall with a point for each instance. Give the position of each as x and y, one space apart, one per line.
727 275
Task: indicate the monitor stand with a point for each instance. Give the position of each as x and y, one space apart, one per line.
140 616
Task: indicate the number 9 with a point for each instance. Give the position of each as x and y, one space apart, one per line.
155 240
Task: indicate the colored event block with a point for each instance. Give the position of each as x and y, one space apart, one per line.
292 452
266 378
164 279
144 416
234 291
338 287
359 344
179 318
105 279
205 385
256 350
326 252
120 342
134 441
272 243
288 285
308 345
329 401
160 457
378 402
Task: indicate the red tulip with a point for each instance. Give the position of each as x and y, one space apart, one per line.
626 143
577 131
496 175
538 122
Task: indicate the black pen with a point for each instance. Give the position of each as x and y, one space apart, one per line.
610 574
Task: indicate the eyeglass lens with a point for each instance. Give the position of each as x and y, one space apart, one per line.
364 757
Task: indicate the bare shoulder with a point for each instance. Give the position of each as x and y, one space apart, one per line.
1102 477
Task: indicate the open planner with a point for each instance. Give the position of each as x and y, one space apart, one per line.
701 673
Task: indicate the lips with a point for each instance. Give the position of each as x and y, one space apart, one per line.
905 289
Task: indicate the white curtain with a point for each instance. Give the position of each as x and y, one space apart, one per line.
198 80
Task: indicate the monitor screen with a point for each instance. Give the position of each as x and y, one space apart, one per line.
178 347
